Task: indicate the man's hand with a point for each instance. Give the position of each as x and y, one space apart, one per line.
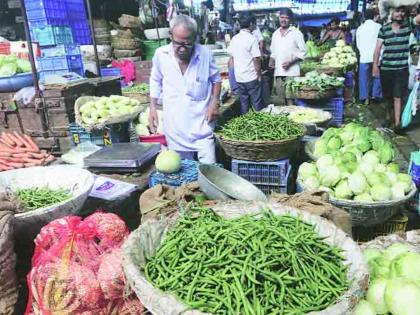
375 71
286 65
271 63
153 120
212 112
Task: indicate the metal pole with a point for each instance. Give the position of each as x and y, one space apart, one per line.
92 35
154 14
30 48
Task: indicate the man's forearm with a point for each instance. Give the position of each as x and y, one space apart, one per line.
257 66
153 103
215 94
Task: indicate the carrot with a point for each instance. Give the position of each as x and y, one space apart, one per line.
37 155
16 165
32 143
19 139
49 159
22 155
14 159
5 154
11 150
30 160
30 164
4 143
7 139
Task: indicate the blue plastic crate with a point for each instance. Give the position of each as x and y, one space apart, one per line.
262 172
334 105
111 72
115 133
45 73
52 35
187 174
43 22
44 4
81 32
76 9
60 63
287 188
61 50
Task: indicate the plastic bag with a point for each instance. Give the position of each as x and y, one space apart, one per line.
410 108
414 168
71 271
128 69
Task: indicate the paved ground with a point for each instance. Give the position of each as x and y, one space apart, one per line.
406 143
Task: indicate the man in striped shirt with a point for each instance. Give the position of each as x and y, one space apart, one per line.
394 38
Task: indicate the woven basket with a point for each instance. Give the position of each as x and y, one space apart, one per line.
308 93
259 150
369 214
125 44
142 98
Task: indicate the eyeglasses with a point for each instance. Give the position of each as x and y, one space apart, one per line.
183 45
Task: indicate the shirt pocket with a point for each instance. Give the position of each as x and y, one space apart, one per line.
198 90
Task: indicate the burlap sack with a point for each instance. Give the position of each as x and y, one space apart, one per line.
316 202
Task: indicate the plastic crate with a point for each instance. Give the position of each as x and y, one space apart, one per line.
187 174
76 9
48 11
115 133
81 32
396 224
348 79
111 72
334 105
52 35
61 50
60 63
262 172
282 189
45 73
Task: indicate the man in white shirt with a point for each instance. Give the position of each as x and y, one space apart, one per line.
288 48
366 37
258 35
245 58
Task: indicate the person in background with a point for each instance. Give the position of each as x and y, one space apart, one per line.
246 61
366 37
187 80
204 20
324 31
394 41
335 33
258 35
288 48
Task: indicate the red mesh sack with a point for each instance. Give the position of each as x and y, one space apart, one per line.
71 271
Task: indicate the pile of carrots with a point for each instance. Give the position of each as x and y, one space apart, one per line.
19 150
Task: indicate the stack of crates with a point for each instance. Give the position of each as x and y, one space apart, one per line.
275 176
335 106
59 26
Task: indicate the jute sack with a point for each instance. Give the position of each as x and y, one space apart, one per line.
144 242
8 280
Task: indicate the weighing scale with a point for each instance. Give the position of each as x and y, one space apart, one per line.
122 157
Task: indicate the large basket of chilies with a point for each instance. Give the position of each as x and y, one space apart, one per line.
242 256
258 136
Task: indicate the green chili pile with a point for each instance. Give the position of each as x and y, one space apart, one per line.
258 126
251 265
142 88
39 197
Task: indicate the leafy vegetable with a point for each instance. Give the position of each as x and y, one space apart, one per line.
402 297
364 308
313 80
380 192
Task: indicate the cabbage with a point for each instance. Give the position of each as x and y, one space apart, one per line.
380 192
402 297
364 308
407 266
23 65
377 178
376 295
340 43
365 168
371 254
371 157
168 161
307 170
329 133
397 191
357 183
343 191
327 189
364 197
395 250
349 157
363 144
329 176
406 181
381 168
324 162
320 148
346 136
380 267
392 177
393 167
386 153
351 166
311 183
8 70
144 118
333 144
142 130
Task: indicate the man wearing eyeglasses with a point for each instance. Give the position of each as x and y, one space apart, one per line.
187 80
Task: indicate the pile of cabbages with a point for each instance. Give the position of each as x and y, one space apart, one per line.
355 163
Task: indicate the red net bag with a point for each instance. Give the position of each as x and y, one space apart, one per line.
76 268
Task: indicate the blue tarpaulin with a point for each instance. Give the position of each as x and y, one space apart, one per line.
319 19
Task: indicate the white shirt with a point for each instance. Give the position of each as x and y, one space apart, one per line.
244 48
285 48
257 34
366 37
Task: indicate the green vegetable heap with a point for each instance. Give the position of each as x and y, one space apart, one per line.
36 198
312 49
250 265
313 79
340 56
259 126
142 88
355 162
394 286
11 65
